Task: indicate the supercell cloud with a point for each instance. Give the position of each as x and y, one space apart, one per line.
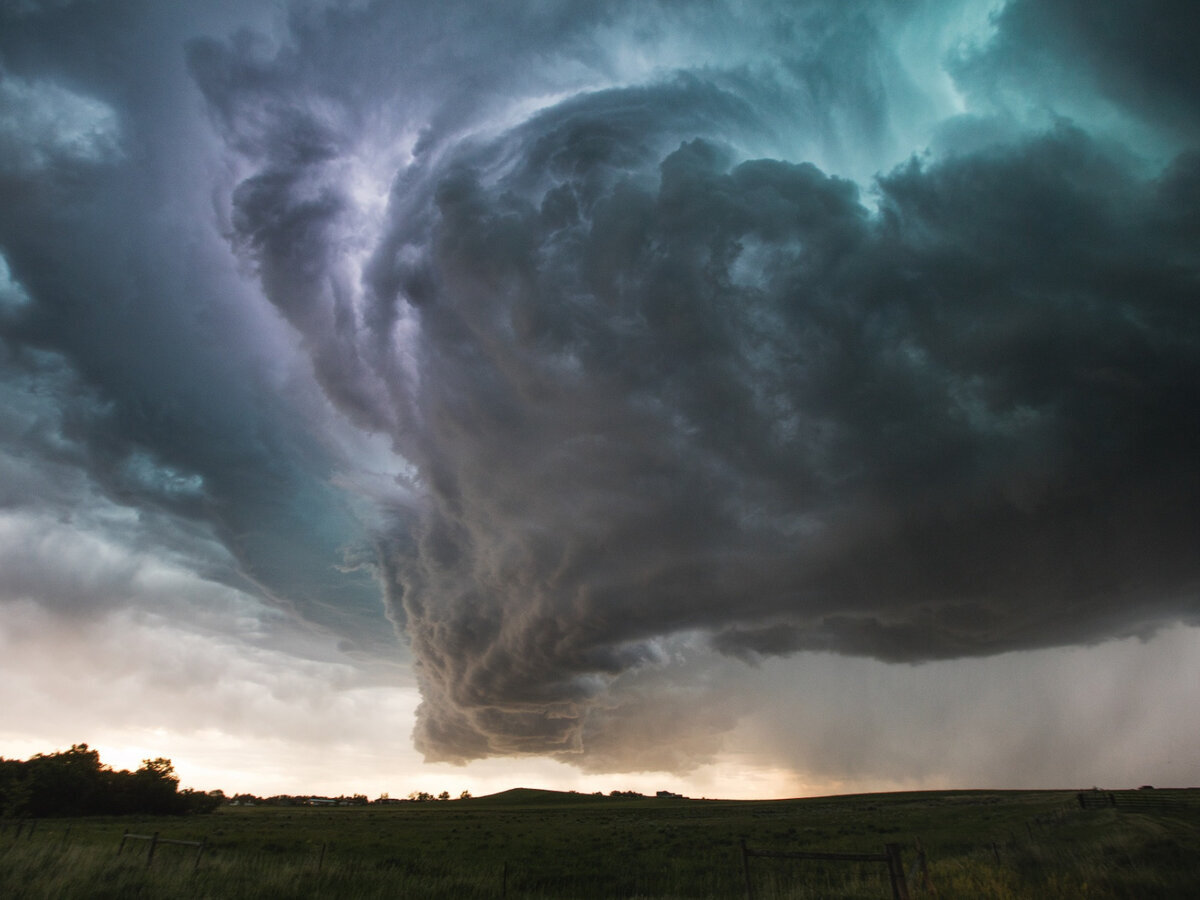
695 332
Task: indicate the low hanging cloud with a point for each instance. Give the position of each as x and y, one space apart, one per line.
657 394
737 403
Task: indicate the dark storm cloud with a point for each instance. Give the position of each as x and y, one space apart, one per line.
655 392
734 401
1141 55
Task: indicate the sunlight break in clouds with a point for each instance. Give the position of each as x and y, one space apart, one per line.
715 396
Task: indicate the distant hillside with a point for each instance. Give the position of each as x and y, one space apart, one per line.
538 797
534 797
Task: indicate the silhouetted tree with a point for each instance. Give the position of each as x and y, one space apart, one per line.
75 783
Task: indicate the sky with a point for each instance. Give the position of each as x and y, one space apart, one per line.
744 399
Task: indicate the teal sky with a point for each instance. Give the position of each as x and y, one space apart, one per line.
712 396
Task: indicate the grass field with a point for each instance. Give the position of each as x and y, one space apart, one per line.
536 844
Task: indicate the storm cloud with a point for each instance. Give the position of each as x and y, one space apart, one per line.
695 335
652 387
736 402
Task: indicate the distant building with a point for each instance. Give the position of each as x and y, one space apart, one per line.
667 795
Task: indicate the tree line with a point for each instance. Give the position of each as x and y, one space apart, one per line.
75 783
340 800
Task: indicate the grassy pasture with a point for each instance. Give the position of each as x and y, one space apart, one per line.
536 844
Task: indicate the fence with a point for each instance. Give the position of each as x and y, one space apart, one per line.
891 856
155 840
19 825
1141 799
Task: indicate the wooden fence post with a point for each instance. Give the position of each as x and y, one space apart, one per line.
746 871
504 880
321 858
923 872
199 853
895 866
150 852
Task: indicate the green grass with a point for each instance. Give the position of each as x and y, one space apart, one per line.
541 844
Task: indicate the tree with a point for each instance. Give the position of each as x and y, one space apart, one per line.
15 788
159 768
465 795
200 801
68 783
156 789
75 783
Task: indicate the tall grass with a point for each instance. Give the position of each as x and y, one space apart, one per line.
49 871
978 846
